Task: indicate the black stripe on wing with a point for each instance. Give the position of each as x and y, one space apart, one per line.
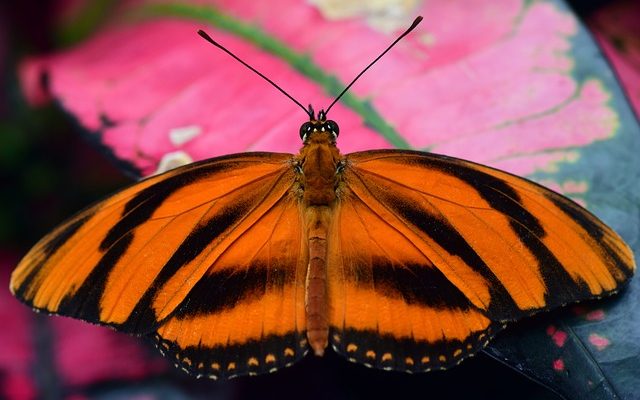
504 198
416 284
442 232
225 289
85 302
24 292
598 232
561 287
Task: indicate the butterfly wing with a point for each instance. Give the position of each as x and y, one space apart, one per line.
207 258
430 255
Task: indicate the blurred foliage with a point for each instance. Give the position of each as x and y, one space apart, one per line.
47 170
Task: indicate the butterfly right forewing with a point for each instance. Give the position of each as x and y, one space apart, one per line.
431 255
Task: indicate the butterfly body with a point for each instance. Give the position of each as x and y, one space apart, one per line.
318 182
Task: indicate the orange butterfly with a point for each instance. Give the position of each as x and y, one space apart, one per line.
396 259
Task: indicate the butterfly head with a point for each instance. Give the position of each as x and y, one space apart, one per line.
319 124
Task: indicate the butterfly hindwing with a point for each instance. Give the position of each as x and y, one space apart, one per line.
246 314
431 255
204 257
391 305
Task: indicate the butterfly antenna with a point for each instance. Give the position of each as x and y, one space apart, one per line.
412 27
221 47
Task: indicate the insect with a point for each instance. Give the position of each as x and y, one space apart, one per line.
396 259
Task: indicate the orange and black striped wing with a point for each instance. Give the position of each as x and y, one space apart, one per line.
430 256
207 258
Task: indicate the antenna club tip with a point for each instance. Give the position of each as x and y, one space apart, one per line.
416 22
205 36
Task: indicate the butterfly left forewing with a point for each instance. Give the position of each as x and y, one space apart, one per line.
434 253
207 254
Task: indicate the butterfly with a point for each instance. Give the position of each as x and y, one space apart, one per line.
396 259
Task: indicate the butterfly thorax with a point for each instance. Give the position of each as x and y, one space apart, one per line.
318 162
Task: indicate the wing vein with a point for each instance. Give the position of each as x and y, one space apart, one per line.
420 191
410 226
227 231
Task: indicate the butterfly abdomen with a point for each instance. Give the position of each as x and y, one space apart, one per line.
316 302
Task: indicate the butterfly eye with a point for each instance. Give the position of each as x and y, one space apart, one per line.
333 127
305 129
